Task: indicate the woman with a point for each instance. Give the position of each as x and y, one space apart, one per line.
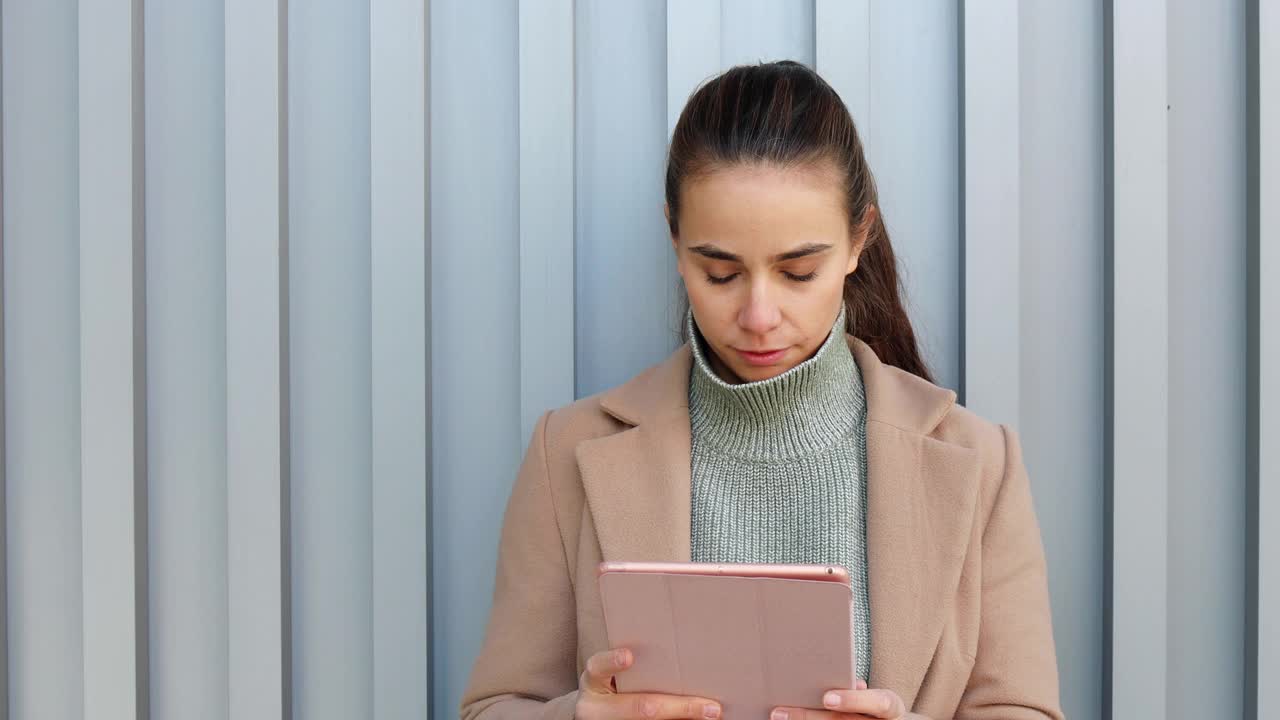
797 424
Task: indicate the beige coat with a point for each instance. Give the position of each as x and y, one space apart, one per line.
960 620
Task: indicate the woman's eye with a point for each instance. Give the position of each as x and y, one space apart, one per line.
720 280
801 278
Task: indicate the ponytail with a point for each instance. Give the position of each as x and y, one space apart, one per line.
873 305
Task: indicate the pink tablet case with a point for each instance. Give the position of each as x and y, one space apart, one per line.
751 643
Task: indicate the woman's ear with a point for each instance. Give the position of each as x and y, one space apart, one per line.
860 235
666 213
864 226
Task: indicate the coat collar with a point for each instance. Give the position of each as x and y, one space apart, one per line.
894 397
921 495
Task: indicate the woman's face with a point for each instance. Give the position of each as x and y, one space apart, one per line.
764 252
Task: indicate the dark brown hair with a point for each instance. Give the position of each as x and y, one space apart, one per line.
784 114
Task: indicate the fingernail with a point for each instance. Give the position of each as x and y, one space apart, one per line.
831 699
711 711
778 714
620 657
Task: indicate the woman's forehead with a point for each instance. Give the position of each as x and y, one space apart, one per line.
758 210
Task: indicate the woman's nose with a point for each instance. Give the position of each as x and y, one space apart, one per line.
761 314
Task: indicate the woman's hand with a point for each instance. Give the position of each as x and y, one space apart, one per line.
857 704
599 699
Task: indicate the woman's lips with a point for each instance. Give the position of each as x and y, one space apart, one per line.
762 358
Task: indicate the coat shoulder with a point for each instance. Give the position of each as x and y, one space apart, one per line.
655 389
563 429
583 419
955 424
998 448
962 426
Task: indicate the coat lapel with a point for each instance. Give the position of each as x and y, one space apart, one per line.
921 497
637 480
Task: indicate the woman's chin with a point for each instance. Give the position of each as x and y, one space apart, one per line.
756 373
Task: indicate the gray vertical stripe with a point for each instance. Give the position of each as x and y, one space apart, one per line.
475 374
989 210
428 439
1262 630
1137 352
112 361
911 146
842 53
1254 569
4 518
186 360
258 579
962 207
42 358
1108 353
330 362
283 368
1062 331
693 51
624 281
1207 303
753 31
475 215
141 553
546 106
400 409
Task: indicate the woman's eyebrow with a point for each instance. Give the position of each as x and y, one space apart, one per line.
715 253
802 251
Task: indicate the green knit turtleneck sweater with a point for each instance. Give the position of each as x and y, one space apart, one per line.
779 470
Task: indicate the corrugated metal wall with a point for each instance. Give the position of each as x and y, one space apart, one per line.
286 284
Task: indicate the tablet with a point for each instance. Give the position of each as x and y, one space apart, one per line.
750 636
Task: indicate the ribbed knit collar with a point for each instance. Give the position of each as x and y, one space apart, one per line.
804 410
